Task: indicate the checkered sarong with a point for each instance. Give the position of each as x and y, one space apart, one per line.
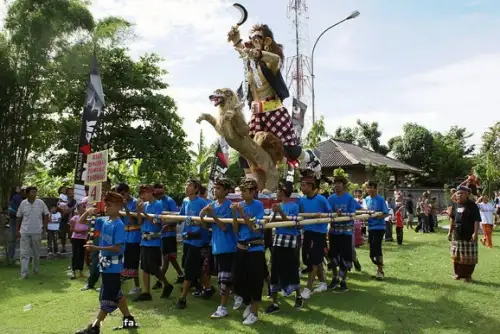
278 122
464 252
284 240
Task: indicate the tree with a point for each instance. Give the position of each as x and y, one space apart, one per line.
364 134
487 165
347 134
442 157
414 147
451 156
370 134
203 158
33 31
139 121
382 175
316 134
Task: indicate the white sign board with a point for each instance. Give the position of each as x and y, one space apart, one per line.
97 167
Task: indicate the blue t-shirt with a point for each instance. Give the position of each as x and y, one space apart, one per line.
192 208
376 204
290 209
152 209
347 204
98 227
315 204
255 209
133 237
168 205
223 241
113 233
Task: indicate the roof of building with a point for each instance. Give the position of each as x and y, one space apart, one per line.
337 153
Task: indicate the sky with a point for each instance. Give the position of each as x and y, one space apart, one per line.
436 63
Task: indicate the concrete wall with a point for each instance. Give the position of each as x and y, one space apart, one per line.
443 198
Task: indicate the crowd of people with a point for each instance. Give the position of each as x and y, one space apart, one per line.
128 236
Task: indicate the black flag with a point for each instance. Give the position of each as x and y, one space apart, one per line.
92 114
298 114
219 167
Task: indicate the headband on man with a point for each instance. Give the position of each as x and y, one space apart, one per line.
113 197
146 188
248 184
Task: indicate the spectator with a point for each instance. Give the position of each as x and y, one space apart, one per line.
409 207
52 231
32 215
67 211
78 240
14 203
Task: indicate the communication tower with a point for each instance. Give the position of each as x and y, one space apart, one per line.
298 69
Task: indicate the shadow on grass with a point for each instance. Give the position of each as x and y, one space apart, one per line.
50 277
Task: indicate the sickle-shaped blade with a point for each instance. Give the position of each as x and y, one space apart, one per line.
243 12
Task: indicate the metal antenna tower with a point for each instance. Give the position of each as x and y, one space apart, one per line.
298 69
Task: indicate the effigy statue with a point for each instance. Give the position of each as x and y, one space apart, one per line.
264 89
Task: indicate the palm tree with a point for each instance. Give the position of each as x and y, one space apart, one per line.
202 158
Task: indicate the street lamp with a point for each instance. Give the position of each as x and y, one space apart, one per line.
350 17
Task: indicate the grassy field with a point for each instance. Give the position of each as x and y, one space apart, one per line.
418 296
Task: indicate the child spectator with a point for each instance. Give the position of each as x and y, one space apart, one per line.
399 225
53 230
78 240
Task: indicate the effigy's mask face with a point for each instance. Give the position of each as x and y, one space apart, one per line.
223 97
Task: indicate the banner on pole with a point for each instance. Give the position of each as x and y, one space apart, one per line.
298 113
92 114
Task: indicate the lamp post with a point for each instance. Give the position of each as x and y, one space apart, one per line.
350 17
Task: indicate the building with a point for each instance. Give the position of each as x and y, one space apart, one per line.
354 159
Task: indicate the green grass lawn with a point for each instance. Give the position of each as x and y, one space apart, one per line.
418 296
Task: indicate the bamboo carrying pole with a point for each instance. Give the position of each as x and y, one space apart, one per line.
298 221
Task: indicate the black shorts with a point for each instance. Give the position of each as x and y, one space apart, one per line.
340 250
132 257
248 275
313 246
169 246
111 291
224 262
284 268
150 259
375 238
193 263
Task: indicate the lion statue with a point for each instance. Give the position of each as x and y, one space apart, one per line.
263 152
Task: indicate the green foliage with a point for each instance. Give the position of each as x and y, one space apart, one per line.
138 122
234 172
487 165
33 31
202 159
325 187
316 134
364 134
382 175
441 156
48 185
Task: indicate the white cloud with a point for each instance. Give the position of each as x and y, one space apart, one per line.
464 93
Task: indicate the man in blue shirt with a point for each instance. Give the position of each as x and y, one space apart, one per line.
284 262
341 234
313 246
376 227
133 241
111 249
223 241
250 259
148 215
195 236
168 237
